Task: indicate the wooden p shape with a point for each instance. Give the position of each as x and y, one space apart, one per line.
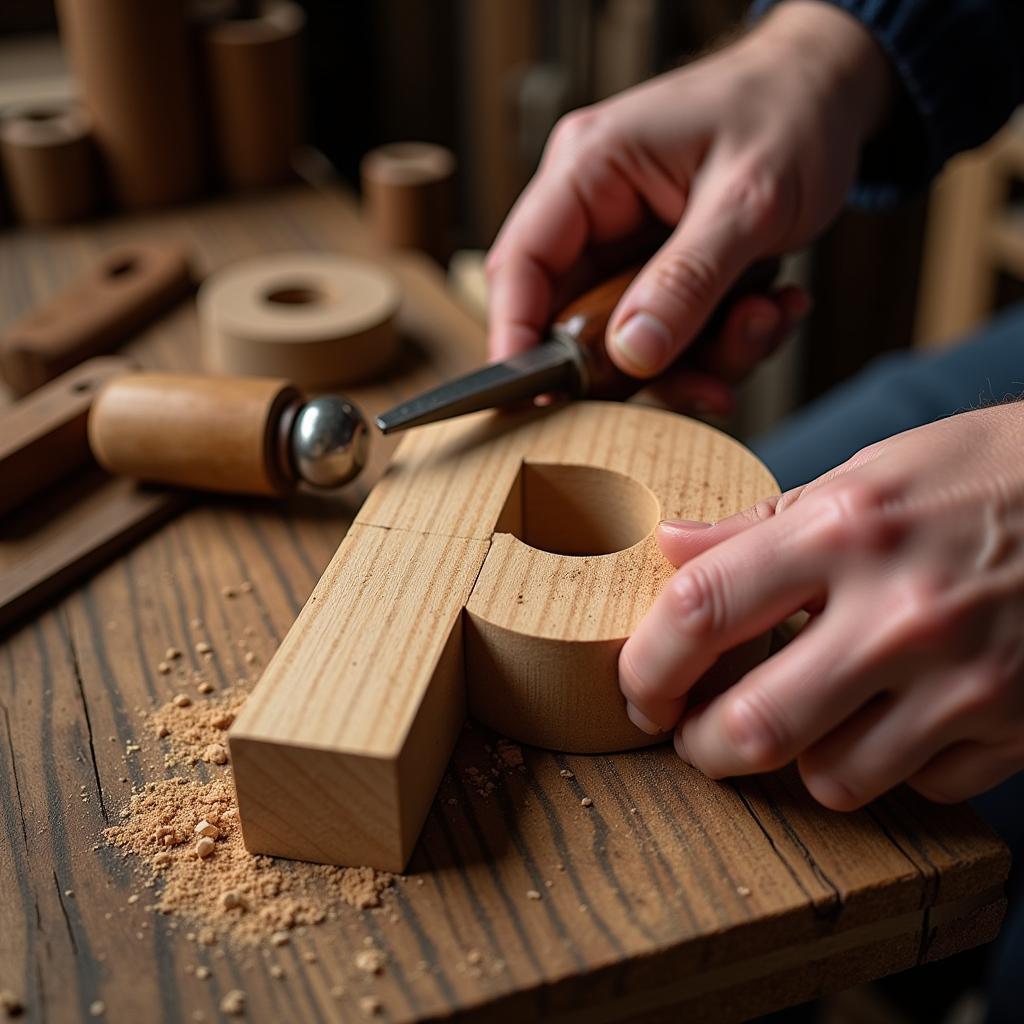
499 564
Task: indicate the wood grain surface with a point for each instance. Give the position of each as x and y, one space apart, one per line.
671 897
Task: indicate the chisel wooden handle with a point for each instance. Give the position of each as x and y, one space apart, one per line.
585 321
246 435
128 288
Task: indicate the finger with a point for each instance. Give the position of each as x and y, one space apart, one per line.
779 708
877 748
690 391
541 239
681 540
750 333
731 593
724 229
966 769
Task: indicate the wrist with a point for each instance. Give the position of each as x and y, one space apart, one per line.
844 63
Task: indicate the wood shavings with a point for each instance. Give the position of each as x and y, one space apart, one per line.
195 732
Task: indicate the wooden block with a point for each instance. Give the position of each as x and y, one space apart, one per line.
501 562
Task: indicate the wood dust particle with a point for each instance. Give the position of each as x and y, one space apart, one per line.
371 1006
205 687
276 971
532 894
97 1008
233 1003
250 658
511 754
742 890
370 961
228 592
181 701
586 802
205 847
566 774
274 896
280 939
163 668
203 648
172 654
10 1003
216 753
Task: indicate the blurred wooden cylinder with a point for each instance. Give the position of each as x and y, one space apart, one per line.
49 162
134 71
408 196
254 71
212 433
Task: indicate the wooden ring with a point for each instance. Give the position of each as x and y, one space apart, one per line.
316 319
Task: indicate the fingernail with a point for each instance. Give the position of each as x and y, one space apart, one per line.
643 342
760 330
684 524
677 743
641 721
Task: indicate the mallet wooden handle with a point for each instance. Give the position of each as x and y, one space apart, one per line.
585 320
248 435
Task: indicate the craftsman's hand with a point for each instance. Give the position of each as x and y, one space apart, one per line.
910 558
745 153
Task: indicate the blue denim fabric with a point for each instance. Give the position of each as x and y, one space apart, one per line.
961 66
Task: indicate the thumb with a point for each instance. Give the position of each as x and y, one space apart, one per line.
722 232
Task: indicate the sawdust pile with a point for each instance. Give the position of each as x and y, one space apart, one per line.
187 837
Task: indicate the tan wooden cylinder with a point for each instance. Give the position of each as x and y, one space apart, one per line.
254 76
135 73
408 196
318 319
211 433
49 161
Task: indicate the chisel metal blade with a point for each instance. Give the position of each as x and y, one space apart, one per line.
548 367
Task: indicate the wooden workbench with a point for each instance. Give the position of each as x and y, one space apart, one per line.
672 897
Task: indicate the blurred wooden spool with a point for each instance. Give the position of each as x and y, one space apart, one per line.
253 70
134 69
316 319
407 196
50 163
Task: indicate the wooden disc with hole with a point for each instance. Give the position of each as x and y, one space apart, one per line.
319 320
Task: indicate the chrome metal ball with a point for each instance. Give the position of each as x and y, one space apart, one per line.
329 441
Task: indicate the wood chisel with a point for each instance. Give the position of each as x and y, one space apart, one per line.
571 362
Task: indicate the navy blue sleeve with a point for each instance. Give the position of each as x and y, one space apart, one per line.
961 67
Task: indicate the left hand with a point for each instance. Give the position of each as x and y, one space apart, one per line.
910 558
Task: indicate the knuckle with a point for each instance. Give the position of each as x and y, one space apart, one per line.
758 198
688 277
692 603
756 731
850 514
575 128
989 687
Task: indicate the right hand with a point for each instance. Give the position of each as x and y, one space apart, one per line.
746 153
